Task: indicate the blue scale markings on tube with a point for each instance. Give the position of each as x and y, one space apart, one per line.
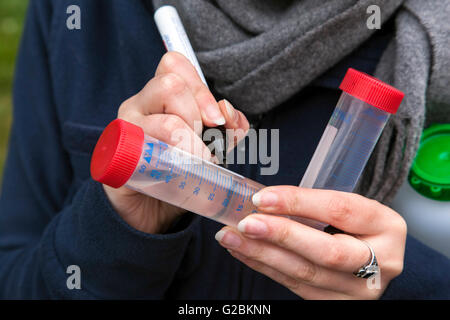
201 176
159 156
212 176
172 167
215 180
178 167
148 153
218 180
163 158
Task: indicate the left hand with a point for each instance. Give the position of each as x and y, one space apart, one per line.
312 263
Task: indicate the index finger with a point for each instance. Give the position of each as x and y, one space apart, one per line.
174 62
346 211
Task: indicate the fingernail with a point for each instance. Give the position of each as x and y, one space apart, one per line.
220 121
215 160
252 226
264 199
214 115
230 110
228 239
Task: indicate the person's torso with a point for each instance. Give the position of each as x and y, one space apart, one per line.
110 59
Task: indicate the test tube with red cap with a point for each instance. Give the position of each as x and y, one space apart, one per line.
351 134
124 155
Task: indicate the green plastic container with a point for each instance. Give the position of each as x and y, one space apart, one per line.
424 202
430 172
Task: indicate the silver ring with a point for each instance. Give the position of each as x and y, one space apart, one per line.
371 268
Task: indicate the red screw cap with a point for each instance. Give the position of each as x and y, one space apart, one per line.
117 153
372 91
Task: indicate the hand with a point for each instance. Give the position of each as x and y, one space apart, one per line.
311 263
174 99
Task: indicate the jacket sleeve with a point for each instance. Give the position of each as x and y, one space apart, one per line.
425 274
44 227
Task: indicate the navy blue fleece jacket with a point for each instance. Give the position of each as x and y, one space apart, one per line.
68 86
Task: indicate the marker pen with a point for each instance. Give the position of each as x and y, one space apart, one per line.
175 38
174 35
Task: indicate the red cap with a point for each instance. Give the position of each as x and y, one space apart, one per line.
372 91
117 153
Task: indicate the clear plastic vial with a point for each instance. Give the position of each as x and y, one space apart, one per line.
351 134
124 155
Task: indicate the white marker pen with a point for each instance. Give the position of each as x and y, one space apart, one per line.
174 35
175 38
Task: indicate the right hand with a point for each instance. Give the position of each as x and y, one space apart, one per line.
173 99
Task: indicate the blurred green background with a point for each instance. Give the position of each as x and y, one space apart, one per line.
12 15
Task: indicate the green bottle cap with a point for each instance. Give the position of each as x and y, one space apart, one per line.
430 172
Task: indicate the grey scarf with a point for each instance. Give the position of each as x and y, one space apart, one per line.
258 54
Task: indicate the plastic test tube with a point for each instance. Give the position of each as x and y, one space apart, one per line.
124 155
351 134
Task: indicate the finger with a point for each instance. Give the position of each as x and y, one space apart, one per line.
291 264
346 211
234 119
243 122
172 130
236 123
337 252
301 289
165 94
174 62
